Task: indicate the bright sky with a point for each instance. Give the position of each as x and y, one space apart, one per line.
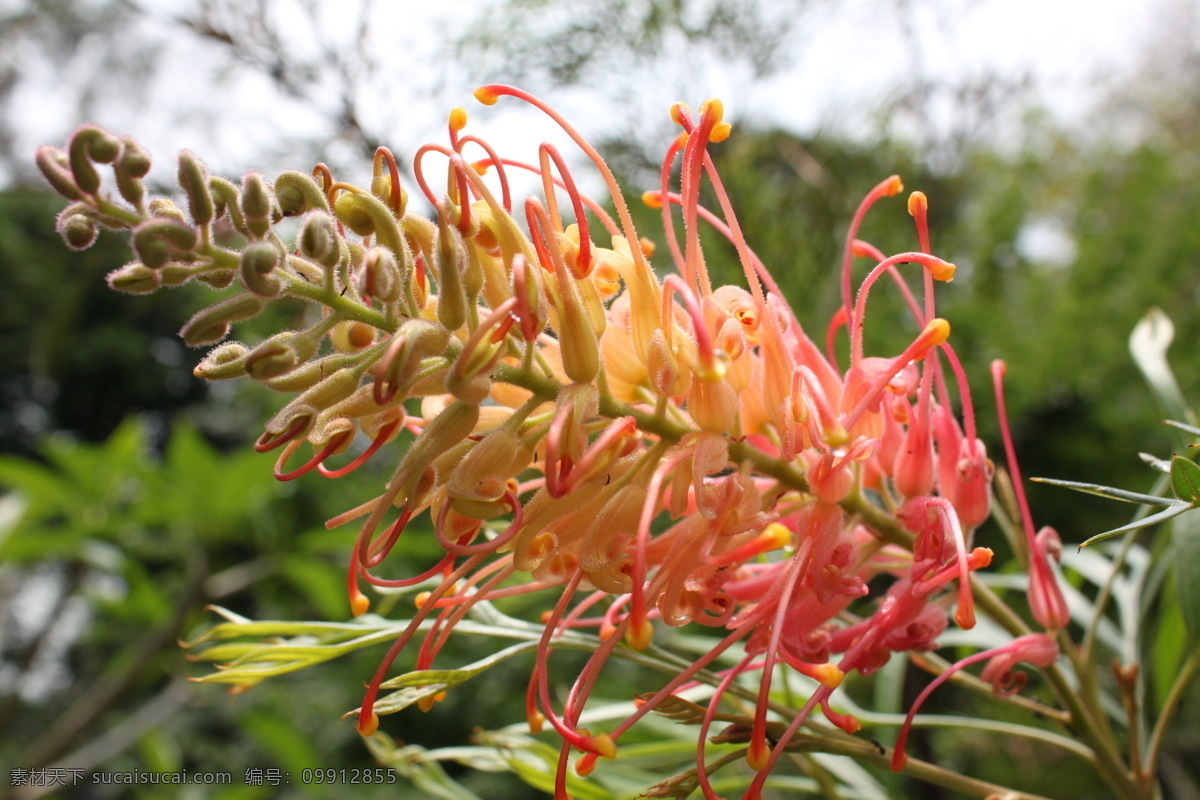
849 56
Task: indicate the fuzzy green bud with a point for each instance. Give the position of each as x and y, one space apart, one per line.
193 178
219 279
381 187
353 211
211 325
378 275
258 261
225 361
90 145
134 278
77 230
452 298
282 353
319 239
155 241
52 163
165 207
297 192
256 204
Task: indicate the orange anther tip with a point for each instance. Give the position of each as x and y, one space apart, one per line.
458 118
677 112
647 246
487 95
917 203
653 199
535 723
481 167
544 617
426 703
981 556
893 186
368 726
720 132
965 617
421 599
758 754
585 765
359 605
943 271
439 697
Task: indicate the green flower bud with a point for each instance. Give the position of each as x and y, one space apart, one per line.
193 177
77 230
227 200
258 261
134 278
354 211
53 165
297 192
220 279
378 275
283 353
332 389
134 160
91 144
381 187
223 362
212 324
319 239
256 204
452 299
165 207
155 241
309 373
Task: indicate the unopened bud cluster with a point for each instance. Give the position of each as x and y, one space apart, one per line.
659 451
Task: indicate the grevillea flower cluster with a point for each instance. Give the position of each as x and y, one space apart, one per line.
657 451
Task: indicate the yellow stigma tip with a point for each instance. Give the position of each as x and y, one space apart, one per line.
368 726
720 132
776 536
917 203
713 108
639 634
481 167
758 754
938 330
653 199
604 746
585 765
458 119
487 95
829 675
647 247
678 110
426 703
894 186
359 605
421 599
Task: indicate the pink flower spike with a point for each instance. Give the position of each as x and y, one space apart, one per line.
1046 600
1036 649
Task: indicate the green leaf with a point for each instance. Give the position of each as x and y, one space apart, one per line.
1185 540
1174 510
1185 479
1109 492
1156 463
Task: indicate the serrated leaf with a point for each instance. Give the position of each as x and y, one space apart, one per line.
1174 510
1185 479
1185 545
1110 492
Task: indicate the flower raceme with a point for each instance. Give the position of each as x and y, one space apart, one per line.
658 451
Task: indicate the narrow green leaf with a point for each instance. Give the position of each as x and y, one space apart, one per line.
1156 463
1185 540
1183 426
1109 492
1185 479
1174 510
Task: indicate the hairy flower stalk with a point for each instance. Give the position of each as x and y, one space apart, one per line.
660 452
